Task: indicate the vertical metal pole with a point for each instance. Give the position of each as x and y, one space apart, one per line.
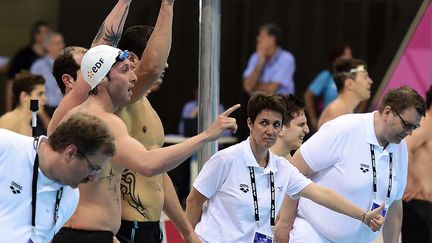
209 53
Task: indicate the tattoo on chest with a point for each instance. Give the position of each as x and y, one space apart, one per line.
127 189
112 185
111 35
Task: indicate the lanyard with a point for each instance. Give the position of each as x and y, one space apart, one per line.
255 198
375 173
34 191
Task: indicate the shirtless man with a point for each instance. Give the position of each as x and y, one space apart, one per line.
25 86
294 130
417 225
353 84
99 208
144 198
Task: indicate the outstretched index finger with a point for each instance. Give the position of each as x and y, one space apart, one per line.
231 110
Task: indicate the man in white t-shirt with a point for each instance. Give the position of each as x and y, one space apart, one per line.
344 155
74 153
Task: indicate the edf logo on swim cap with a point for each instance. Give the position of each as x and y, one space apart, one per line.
97 65
97 62
95 68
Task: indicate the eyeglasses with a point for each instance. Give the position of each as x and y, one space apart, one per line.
406 125
93 168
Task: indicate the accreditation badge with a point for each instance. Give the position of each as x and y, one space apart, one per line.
376 204
263 236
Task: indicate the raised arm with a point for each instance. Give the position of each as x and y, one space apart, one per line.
132 155
109 33
155 55
75 97
111 29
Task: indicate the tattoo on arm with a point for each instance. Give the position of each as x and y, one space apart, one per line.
127 189
111 35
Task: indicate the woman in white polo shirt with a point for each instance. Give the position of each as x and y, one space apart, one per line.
240 190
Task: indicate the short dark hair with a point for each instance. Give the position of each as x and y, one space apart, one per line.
25 82
87 132
429 97
294 106
36 28
273 29
65 64
342 70
135 39
337 51
403 98
265 101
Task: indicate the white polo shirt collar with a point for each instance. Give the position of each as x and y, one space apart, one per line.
250 160
45 183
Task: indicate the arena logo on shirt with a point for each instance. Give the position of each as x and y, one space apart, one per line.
364 167
15 187
244 188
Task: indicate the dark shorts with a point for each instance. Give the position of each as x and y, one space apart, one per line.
417 222
139 232
68 235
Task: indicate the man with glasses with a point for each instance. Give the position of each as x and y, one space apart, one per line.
364 158
94 169
354 86
40 176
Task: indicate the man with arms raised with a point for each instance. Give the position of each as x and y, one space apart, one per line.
100 206
144 198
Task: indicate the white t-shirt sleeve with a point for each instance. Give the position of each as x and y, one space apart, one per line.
324 148
296 182
212 175
402 180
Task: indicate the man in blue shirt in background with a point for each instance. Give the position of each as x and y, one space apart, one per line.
270 68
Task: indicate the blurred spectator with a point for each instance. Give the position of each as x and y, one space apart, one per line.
354 86
270 68
25 57
188 124
53 44
26 86
323 85
4 64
